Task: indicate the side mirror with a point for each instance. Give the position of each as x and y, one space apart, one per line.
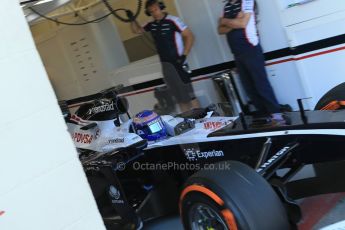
117 122
122 104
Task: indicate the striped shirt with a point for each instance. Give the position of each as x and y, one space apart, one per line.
167 36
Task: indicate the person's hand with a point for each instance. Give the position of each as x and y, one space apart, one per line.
240 14
130 15
222 21
182 59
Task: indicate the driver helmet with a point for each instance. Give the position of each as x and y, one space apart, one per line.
149 125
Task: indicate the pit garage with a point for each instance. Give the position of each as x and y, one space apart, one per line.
96 137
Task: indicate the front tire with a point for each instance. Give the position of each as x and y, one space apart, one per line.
236 198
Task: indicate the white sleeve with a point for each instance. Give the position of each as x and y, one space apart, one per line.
248 6
181 26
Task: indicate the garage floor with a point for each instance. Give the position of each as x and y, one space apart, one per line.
318 212
323 210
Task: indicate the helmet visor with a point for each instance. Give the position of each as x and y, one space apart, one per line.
155 126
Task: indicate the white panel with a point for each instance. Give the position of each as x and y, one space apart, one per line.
317 29
59 69
16 30
27 147
86 59
319 74
272 34
109 42
322 73
42 183
54 201
137 72
286 83
23 89
311 11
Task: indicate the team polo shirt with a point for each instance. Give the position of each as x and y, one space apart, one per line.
241 40
167 36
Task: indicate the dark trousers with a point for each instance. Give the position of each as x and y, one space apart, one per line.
251 68
178 82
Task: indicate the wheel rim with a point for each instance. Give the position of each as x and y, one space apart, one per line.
203 217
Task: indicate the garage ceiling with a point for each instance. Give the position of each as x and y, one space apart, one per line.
55 8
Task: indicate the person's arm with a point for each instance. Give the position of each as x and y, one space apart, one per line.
136 28
223 29
240 22
188 40
186 33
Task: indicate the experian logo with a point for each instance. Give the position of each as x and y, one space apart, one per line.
195 154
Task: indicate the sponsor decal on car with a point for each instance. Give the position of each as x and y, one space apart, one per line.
82 138
195 154
213 125
100 109
117 141
92 168
273 159
115 195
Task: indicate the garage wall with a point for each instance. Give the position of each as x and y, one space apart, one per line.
75 70
42 184
79 59
202 17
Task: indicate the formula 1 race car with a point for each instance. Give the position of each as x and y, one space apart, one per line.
217 172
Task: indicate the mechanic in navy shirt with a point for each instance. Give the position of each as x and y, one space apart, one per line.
239 25
173 41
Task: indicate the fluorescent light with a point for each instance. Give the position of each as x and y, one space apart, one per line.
41 2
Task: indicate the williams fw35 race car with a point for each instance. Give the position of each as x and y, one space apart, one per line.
217 172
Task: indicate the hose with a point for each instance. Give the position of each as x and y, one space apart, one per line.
126 20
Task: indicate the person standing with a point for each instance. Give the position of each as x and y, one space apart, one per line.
238 23
173 41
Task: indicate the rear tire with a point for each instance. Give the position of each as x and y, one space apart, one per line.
332 100
337 94
236 195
